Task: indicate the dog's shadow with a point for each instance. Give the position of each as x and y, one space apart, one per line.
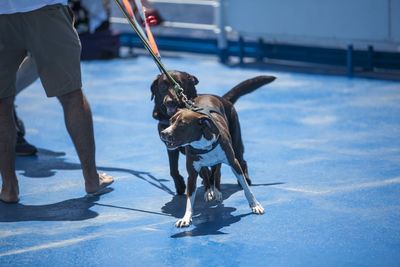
45 164
209 217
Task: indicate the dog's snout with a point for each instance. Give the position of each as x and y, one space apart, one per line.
165 135
169 103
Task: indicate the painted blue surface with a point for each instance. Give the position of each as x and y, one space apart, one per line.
323 154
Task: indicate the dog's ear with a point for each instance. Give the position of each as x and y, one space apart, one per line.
207 127
192 81
205 122
158 115
155 114
154 87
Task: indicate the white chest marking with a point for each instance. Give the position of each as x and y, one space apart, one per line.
203 143
215 156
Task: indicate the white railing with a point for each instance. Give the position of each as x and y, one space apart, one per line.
218 26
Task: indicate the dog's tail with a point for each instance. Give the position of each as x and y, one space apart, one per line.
247 87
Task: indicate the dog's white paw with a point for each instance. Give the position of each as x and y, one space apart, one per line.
257 208
184 222
209 195
217 195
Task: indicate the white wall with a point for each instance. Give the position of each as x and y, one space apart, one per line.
334 23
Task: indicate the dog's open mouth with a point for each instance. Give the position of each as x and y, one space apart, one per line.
171 145
171 110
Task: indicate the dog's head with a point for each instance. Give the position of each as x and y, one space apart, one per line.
188 127
166 101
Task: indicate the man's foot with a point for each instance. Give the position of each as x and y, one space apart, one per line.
104 181
23 148
9 195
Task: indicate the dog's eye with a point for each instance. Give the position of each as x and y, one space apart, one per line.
163 86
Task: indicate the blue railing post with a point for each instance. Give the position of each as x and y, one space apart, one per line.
241 49
370 64
350 66
260 49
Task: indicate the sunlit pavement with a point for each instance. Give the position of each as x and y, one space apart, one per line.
323 153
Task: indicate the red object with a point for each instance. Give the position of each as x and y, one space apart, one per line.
153 13
150 11
151 20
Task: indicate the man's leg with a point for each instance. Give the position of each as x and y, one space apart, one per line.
9 191
78 120
27 73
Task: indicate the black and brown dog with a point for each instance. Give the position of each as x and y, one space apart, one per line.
211 136
167 102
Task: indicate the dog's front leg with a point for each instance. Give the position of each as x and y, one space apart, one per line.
173 157
253 203
191 195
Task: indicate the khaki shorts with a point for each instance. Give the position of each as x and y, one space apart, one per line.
48 34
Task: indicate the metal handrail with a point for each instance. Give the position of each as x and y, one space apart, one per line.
218 27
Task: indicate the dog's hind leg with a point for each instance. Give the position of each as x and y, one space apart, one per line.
216 174
237 143
205 174
253 203
243 165
173 157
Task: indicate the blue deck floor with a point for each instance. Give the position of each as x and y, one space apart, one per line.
323 154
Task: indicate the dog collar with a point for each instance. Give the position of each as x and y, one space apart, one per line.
164 122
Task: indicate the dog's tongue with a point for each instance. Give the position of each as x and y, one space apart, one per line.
171 110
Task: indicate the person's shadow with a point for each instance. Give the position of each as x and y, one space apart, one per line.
45 164
209 217
77 209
